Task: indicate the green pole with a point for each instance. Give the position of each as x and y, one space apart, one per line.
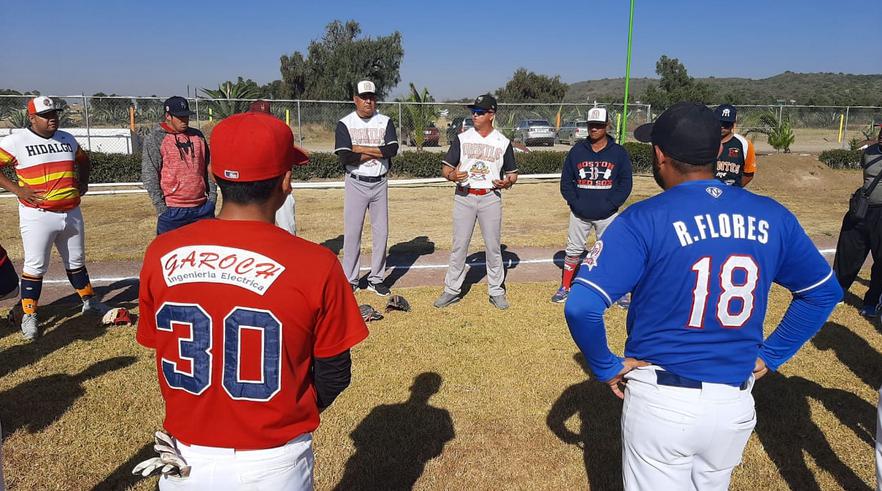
623 131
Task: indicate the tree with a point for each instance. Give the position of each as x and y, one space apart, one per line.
230 98
334 64
675 85
778 130
419 115
526 86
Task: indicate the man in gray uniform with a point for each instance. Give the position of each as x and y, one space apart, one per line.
481 162
365 142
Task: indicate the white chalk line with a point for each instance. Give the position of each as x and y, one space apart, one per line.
508 264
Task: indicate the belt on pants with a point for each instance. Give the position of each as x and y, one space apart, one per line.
367 178
479 192
673 380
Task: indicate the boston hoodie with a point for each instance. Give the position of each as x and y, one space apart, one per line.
596 184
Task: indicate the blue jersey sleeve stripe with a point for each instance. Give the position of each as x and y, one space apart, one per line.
829 275
599 290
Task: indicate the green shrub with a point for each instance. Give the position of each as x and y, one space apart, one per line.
641 156
110 167
841 159
114 167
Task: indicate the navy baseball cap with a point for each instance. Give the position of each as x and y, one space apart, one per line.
484 102
178 106
726 113
688 132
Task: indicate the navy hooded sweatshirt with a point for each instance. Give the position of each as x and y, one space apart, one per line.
596 184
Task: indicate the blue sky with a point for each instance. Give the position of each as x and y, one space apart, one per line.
456 49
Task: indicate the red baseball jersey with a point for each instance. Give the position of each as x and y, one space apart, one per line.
236 311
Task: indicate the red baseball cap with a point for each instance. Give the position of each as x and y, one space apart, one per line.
252 146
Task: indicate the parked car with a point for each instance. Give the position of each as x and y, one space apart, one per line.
431 136
573 131
534 131
457 126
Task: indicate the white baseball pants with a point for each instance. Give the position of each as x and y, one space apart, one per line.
578 230
285 215
41 229
287 468
676 438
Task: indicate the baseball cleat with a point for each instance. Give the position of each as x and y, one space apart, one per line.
30 326
869 311
92 305
446 299
499 301
560 296
379 288
354 287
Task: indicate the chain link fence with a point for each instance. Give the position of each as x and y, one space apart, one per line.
116 124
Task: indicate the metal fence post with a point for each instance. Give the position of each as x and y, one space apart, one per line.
198 122
86 116
649 113
299 127
845 128
400 125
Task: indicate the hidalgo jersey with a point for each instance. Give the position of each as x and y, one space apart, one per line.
46 165
376 131
484 158
236 311
699 260
736 160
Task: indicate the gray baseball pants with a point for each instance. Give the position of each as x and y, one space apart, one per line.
487 211
578 230
358 198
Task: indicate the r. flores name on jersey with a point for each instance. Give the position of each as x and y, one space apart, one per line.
218 264
595 175
724 225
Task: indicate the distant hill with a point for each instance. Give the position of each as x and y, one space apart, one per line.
804 88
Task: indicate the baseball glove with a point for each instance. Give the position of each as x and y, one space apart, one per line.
369 314
170 462
397 302
117 317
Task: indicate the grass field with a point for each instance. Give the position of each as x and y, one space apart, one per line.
468 397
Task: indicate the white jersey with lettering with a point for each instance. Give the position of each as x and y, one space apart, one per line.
483 157
370 132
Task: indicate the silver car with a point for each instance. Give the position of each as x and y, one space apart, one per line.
535 131
573 131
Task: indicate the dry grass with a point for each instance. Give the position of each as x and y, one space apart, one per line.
534 215
505 376
79 406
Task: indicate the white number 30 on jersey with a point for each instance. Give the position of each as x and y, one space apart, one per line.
730 291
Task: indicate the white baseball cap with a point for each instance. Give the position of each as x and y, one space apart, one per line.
41 105
597 115
366 87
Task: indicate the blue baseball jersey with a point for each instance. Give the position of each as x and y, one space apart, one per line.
699 260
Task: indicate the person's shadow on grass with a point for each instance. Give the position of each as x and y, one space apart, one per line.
787 433
394 442
405 254
598 413
853 351
477 267
335 244
38 403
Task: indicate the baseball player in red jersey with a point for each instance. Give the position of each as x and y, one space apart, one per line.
52 172
252 326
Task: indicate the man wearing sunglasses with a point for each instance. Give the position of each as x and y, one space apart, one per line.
737 162
481 163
